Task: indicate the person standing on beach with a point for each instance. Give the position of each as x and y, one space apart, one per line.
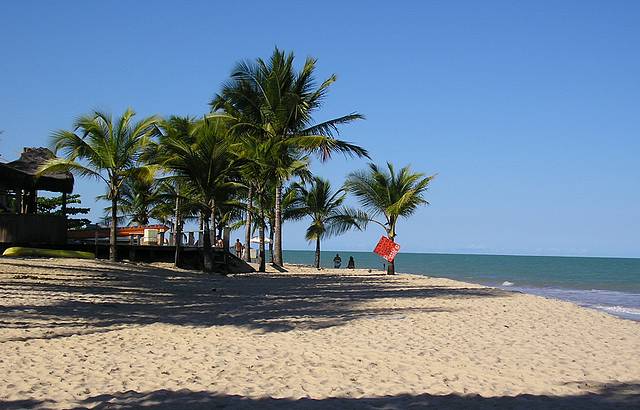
238 247
337 261
351 264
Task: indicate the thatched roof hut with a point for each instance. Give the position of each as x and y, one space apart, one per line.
21 174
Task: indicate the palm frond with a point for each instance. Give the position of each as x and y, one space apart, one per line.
393 194
67 165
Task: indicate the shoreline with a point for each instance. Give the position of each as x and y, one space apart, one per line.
617 311
620 298
631 314
98 334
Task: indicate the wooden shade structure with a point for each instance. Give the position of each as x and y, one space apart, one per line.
21 225
22 177
23 173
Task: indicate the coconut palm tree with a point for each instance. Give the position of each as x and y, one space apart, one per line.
173 192
139 198
259 173
325 208
289 195
105 149
392 194
271 100
175 203
203 160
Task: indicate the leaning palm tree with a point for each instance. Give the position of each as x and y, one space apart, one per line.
325 208
105 149
203 160
271 100
392 194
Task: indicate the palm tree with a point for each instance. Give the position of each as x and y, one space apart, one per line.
259 172
105 149
174 203
390 194
139 199
289 195
204 161
325 208
271 100
173 192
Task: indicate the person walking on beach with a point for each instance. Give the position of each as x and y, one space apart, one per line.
239 247
337 261
351 264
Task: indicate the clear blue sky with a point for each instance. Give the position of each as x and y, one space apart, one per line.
528 111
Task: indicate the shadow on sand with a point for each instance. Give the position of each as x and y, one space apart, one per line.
88 298
620 396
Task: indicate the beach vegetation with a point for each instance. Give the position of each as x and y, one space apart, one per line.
59 205
389 194
200 156
139 201
325 208
245 163
271 100
107 149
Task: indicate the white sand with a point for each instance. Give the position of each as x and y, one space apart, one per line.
95 334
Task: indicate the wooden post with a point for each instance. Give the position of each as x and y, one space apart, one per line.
64 204
18 203
64 210
226 238
23 201
95 240
32 202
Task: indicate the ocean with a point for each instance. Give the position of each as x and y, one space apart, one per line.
611 285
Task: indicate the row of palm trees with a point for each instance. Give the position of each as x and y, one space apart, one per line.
234 165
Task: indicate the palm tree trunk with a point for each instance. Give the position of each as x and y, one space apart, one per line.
212 231
391 269
261 255
316 262
391 266
113 234
200 229
207 251
278 225
271 234
247 227
178 235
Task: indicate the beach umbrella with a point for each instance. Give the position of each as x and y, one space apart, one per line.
255 239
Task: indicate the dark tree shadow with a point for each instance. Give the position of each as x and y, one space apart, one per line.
280 269
112 294
24 404
616 396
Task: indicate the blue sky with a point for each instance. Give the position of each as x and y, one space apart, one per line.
528 112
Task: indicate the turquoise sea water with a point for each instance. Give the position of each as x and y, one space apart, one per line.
608 284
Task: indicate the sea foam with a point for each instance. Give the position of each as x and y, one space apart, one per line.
619 309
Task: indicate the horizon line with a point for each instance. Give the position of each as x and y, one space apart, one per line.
477 254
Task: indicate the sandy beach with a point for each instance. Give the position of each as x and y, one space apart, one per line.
93 334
